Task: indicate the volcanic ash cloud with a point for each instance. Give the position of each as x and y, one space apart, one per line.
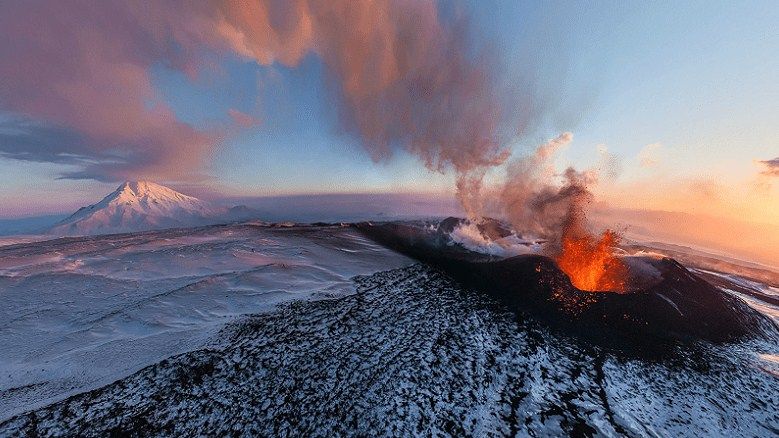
402 76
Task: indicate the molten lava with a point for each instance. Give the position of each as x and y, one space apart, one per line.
590 262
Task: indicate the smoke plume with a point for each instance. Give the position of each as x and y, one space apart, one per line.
404 76
538 200
531 201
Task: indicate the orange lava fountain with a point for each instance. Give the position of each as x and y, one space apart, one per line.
590 262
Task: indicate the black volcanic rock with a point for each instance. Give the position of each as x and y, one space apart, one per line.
413 354
449 224
681 306
677 306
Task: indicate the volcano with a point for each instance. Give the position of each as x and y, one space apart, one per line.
664 302
283 330
142 206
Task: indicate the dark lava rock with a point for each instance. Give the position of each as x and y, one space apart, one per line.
411 353
679 306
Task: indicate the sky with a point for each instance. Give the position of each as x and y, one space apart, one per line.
676 104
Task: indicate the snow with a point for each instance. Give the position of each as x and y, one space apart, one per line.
314 330
410 353
468 235
79 313
138 206
17 239
754 293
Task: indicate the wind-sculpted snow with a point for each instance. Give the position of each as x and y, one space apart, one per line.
270 330
79 313
411 353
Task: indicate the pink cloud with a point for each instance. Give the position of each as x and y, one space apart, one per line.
403 77
84 67
242 119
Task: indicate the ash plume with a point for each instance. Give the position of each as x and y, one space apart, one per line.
404 77
540 202
533 203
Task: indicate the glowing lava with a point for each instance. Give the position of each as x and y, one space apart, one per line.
590 262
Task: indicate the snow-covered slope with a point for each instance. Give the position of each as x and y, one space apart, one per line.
267 330
139 206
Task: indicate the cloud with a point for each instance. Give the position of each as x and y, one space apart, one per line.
771 167
403 77
705 189
83 69
28 140
242 119
609 165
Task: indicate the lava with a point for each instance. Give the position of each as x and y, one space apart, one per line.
590 263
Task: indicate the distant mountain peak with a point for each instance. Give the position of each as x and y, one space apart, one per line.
138 191
139 206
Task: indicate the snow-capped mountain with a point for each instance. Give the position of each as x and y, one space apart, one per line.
140 206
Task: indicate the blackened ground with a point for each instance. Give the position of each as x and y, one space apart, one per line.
414 354
676 306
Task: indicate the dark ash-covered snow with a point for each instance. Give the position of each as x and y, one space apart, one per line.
411 353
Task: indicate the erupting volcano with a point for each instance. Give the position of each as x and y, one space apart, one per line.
388 229
587 258
666 302
590 263
538 200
